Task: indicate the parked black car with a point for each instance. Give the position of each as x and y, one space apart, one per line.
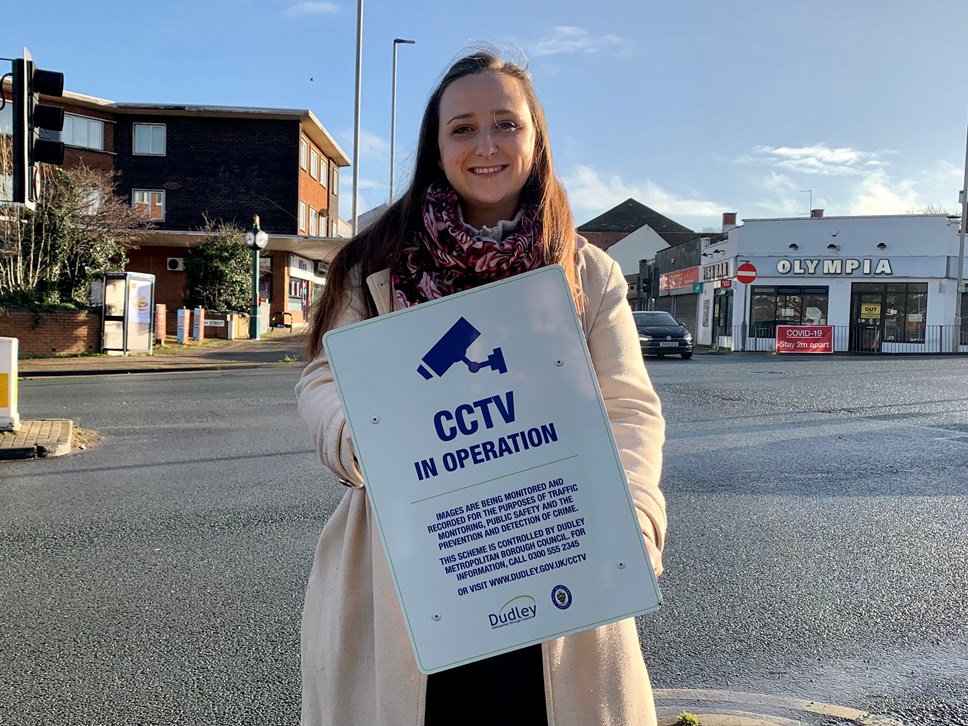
660 333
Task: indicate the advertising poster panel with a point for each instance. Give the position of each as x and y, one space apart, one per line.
490 464
182 321
140 299
804 338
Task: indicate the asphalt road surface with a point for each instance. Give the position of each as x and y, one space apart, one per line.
818 542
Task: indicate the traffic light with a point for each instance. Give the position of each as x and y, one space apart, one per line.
29 118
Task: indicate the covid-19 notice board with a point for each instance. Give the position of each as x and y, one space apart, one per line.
492 470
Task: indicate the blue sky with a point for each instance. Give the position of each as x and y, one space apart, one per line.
693 107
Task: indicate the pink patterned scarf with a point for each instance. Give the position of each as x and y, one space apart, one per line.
443 257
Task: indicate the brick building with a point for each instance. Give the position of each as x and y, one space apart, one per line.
633 234
189 164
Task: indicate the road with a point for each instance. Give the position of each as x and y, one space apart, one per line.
817 545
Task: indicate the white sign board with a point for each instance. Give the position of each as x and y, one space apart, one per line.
491 467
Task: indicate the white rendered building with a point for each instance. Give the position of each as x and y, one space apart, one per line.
886 283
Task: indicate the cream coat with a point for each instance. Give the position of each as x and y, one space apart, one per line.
358 668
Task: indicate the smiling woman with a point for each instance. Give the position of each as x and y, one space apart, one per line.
486 145
483 205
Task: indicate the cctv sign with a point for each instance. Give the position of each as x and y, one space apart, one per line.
489 460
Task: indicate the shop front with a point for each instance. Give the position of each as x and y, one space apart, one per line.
886 284
716 319
876 305
303 285
679 296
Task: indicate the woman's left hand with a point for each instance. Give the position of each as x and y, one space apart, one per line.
655 555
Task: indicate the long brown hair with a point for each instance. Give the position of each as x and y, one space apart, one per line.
378 246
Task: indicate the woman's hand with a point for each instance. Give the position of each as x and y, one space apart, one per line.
655 556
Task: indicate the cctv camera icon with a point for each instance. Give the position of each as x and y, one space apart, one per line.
452 347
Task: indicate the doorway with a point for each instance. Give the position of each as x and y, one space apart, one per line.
866 317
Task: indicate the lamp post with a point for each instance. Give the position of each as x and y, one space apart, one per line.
393 109
255 240
961 258
356 116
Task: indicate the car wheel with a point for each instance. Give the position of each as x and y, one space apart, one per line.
686 356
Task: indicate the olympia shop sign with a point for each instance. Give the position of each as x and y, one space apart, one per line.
489 460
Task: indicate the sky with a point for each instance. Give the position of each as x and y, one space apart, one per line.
692 107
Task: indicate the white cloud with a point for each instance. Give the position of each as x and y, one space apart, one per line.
946 168
311 7
774 182
817 159
371 184
879 194
374 146
777 196
569 39
591 193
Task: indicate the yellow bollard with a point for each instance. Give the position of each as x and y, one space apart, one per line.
9 418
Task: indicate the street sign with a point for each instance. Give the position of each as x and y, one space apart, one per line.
725 284
804 338
746 273
697 287
488 456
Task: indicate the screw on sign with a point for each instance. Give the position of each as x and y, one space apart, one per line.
746 273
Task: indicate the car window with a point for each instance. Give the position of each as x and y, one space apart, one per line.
643 319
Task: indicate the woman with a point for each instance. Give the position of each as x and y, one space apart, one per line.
484 204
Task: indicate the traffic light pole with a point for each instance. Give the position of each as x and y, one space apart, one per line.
29 118
959 281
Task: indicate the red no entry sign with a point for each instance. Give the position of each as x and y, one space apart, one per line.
746 273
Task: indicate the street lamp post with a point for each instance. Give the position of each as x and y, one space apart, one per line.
255 240
356 116
961 258
393 109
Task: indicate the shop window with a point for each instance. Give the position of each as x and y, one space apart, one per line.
964 318
774 306
905 310
298 295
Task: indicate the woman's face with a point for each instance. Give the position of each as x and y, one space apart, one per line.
486 143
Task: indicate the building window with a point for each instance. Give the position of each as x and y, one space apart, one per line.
324 172
149 139
905 308
334 185
303 153
313 221
298 295
152 201
302 216
87 133
964 318
774 306
314 164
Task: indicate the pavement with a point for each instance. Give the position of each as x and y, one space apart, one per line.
283 348
280 347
